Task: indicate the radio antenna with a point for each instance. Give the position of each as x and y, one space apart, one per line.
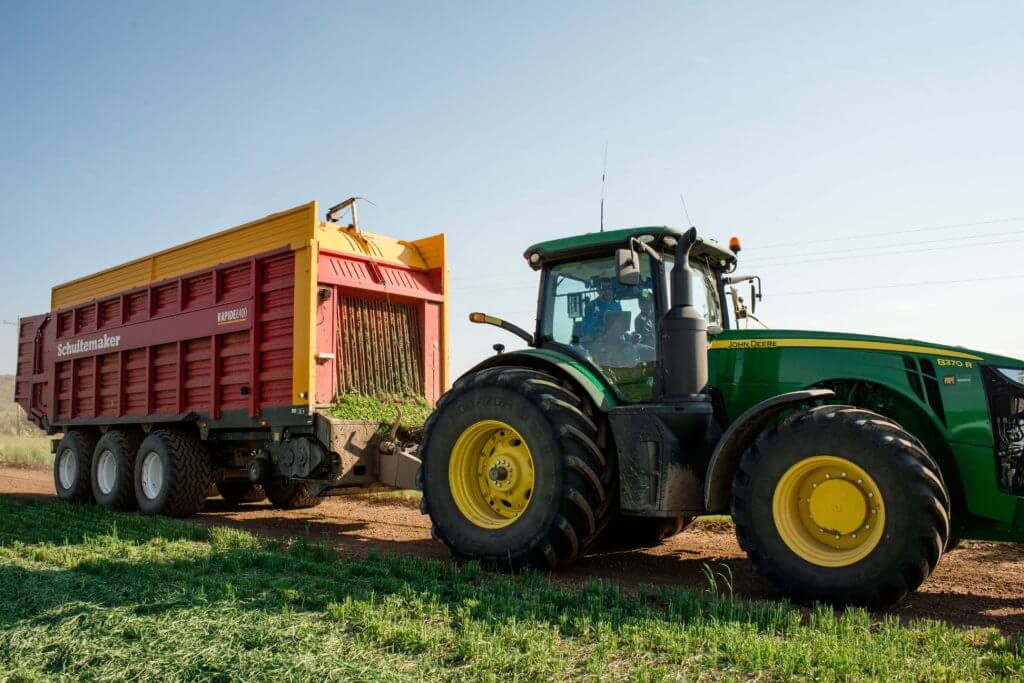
604 171
685 210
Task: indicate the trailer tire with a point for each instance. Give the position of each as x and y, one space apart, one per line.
289 494
239 492
840 505
113 465
525 421
172 474
72 465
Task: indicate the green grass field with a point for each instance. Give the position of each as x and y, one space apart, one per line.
26 450
92 595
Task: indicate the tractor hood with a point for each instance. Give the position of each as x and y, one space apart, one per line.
770 339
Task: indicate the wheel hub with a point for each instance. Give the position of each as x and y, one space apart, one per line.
152 475
838 505
828 510
491 474
68 469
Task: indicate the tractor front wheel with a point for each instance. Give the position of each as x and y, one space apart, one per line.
841 505
513 472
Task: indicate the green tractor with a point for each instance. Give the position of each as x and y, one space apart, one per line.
848 463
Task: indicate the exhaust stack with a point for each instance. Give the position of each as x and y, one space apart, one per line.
683 332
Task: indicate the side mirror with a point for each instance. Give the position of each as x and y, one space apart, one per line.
627 267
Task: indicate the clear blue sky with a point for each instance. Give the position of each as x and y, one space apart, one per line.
130 127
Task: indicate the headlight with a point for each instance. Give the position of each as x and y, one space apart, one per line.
1012 374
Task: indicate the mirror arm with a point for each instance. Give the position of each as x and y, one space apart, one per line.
634 243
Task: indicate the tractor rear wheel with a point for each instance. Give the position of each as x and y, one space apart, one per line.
841 505
239 492
513 471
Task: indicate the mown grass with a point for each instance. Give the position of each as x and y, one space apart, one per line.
26 450
92 595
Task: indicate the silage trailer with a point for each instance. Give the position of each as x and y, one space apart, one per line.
205 363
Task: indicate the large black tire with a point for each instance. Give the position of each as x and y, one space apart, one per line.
575 482
289 494
627 533
113 467
916 507
184 477
239 492
72 465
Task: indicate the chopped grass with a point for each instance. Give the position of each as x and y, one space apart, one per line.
354 406
94 595
26 450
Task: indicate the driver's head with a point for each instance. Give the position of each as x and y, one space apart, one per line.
647 304
605 292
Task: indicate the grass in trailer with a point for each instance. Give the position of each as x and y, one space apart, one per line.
355 406
93 594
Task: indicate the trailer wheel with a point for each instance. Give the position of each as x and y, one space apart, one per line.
238 492
113 463
172 474
72 464
290 494
512 474
840 505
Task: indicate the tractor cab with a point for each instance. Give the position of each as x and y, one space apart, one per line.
603 294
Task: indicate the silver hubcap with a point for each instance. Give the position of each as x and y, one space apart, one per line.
106 472
152 475
67 470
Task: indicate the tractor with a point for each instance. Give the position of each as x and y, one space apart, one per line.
848 463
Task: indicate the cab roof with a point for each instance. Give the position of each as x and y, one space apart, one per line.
597 243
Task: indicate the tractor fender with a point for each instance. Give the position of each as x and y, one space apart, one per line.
738 437
558 364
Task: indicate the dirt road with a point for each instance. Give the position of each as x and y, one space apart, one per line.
979 584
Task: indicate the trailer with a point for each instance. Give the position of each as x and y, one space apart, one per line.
204 364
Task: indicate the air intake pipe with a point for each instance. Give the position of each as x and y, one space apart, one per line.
683 332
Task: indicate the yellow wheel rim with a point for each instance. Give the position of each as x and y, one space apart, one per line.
829 511
490 474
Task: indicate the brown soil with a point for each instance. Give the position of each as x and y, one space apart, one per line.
976 585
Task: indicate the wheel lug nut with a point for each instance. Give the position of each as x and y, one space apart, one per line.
844 474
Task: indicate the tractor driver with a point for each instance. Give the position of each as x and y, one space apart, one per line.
592 324
645 323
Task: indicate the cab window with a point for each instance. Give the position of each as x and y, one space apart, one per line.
611 325
705 294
